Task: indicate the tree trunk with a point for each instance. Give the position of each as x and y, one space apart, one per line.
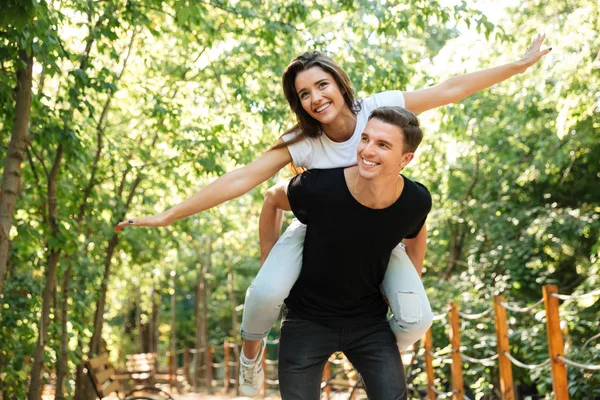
202 360
234 324
156 319
100 306
173 322
11 175
205 342
86 390
150 330
50 275
81 380
153 332
110 250
200 327
121 354
63 355
138 321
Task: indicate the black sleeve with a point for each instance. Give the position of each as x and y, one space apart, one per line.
301 195
416 232
422 205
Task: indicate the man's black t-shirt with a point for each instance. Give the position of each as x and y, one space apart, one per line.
347 247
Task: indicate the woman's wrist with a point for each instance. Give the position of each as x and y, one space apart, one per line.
166 218
521 65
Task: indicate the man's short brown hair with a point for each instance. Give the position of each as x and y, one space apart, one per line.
405 120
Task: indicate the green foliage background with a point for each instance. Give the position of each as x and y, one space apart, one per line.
175 93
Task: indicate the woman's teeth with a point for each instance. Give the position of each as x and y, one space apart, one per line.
323 107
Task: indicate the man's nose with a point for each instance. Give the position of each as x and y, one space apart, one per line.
369 148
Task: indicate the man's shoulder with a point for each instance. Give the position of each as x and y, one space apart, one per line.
417 190
315 181
421 188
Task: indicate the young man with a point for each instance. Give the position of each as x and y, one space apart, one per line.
355 217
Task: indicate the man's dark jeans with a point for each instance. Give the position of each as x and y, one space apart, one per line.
306 346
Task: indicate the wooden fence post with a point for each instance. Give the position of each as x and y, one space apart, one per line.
555 344
505 367
429 364
326 376
237 366
227 369
456 367
209 367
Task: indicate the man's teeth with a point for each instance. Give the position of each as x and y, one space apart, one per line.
323 107
369 163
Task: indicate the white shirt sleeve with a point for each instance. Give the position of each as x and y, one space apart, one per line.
389 98
301 151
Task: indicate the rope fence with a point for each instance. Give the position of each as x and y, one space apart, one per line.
579 365
577 297
484 361
476 316
526 366
556 361
439 355
439 317
519 309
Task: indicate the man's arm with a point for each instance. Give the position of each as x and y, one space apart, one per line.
459 87
271 218
415 249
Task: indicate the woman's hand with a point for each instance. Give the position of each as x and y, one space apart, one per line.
533 53
152 221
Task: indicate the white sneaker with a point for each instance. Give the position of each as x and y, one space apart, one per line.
252 374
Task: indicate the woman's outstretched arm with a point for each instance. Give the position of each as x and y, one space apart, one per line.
229 186
459 87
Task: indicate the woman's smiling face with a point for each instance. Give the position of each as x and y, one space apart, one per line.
319 94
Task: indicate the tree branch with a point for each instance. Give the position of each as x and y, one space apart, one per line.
40 159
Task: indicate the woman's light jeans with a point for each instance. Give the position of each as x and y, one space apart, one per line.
402 286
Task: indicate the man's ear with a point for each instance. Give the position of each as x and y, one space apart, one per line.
406 158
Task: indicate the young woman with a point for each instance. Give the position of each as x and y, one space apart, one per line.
330 122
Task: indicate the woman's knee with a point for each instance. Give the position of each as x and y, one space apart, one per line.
265 294
413 330
411 312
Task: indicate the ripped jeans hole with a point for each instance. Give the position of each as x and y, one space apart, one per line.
409 308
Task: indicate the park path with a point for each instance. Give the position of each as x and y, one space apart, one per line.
206 396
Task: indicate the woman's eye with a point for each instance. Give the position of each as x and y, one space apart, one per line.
323 84
303 95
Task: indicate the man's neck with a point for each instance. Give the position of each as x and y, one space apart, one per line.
374 193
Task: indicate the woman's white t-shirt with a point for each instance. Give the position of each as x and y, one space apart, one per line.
323 153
